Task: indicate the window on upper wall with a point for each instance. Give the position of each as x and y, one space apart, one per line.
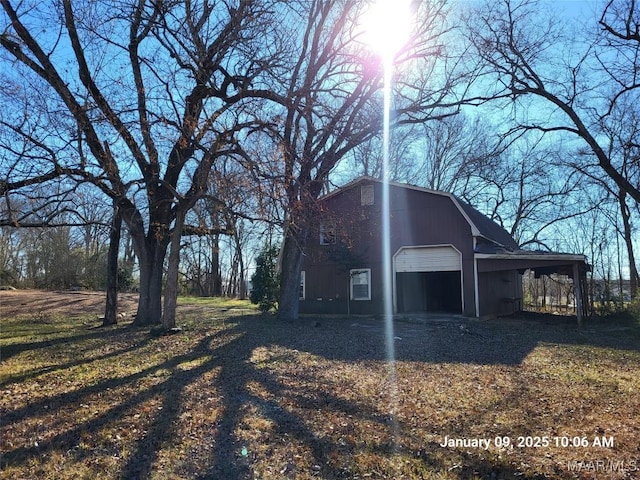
327 234
361 284
366 195
302 292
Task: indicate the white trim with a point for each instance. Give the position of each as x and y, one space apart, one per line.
394 286
327 234
476 287
354 271
303 284
461 287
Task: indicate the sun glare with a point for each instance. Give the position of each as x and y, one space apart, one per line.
387 26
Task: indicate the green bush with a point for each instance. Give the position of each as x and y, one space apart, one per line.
125 277
265 281
634 308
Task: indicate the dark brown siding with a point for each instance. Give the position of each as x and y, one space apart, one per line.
417 218
422 218
500 293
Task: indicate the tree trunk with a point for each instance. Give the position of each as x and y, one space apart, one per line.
290 262
151 271
129 255
111 308
242 287
216 277
237 287
171 288
628 240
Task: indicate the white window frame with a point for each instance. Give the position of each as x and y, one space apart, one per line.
327 234
352 274
303 284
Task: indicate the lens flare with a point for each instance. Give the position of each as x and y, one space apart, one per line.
387 27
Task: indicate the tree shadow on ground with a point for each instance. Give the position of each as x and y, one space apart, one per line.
14 349
505 341
334 340
229 353
50 368
235 373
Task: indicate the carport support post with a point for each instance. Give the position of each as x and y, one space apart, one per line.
577 289
349 296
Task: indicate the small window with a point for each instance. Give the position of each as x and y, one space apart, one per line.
302 285
366 195
327 234
361 284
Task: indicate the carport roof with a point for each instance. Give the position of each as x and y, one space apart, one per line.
542 263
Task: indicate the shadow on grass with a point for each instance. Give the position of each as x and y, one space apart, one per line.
229 353
92 333
235 373
111 335
505 341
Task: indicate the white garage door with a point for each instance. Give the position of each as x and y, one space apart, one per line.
428 259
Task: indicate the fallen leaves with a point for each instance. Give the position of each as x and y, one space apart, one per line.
251 397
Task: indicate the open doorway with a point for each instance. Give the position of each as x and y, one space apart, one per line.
429 292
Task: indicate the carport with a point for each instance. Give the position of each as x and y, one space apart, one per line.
541 263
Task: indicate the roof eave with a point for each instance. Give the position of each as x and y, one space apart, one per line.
569 257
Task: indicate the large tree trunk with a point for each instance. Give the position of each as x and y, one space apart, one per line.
237 287
111 308
242 286
290 262
171 288
216 276
151 271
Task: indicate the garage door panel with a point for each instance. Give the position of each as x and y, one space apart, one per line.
428 259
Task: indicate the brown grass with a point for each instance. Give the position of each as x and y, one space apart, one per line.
238 395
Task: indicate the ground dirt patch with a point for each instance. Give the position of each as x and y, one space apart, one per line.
239 395
31 302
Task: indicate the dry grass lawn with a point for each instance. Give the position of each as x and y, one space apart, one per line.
238 395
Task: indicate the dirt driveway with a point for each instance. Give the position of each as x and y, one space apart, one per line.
20 302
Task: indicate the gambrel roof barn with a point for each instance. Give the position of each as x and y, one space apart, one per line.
447 256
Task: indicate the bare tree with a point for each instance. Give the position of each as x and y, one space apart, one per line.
141 92
527 56
622 128
111 307
328 102
456 150
366 158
